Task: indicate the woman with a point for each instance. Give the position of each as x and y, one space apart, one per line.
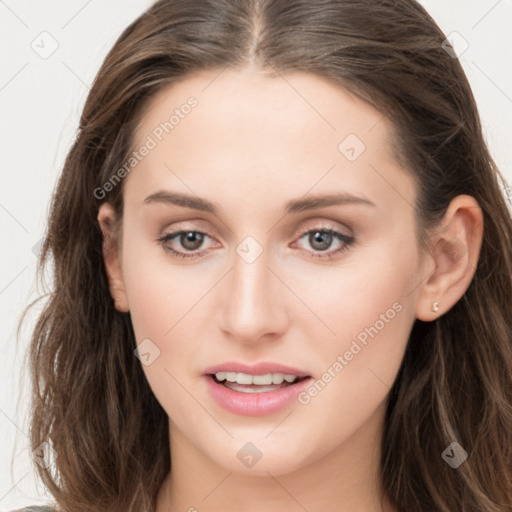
282 271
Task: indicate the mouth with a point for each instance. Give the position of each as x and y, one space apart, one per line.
247 383
253 392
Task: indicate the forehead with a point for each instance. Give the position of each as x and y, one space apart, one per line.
297 103
288 131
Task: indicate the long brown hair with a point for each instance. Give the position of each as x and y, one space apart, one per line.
91 400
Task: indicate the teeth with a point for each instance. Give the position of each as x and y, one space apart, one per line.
261 380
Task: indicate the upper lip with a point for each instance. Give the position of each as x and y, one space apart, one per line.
255 369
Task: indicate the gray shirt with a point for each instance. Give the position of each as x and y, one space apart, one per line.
34 509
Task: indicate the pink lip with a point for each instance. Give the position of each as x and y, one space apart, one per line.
254 404
255 369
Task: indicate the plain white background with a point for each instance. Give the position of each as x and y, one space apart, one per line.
40 103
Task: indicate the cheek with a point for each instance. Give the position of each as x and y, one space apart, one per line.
357 373
367 296
165 302
162 303
159 293
370 310
361 344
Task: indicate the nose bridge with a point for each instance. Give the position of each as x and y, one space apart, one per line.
253 304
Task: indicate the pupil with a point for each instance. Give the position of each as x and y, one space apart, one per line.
320 240
191 240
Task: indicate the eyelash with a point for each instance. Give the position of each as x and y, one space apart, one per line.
348 241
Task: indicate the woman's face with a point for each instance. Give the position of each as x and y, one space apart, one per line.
299 251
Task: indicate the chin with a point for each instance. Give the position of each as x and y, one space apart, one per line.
259 458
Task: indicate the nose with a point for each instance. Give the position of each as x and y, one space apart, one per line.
253 301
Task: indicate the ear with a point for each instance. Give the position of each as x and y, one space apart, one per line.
456 249
111 256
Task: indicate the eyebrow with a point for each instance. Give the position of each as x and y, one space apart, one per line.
178 199
321 201
293 206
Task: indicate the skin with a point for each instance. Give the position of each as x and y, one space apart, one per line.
253 143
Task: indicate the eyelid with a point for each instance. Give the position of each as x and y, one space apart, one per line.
321 224
187 225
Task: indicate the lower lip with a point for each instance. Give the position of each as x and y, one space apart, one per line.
254 404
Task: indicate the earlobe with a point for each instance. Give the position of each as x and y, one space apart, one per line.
111 257
456 249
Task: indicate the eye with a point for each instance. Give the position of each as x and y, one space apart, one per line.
321 239
189 240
